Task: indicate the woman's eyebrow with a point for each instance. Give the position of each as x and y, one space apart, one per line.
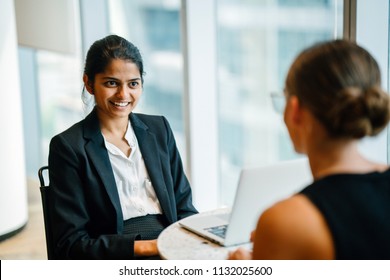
110 78
116 79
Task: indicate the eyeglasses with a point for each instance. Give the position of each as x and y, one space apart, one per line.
278 102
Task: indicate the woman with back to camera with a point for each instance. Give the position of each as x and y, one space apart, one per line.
333 99
116 177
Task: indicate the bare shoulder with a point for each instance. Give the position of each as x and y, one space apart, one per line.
293 229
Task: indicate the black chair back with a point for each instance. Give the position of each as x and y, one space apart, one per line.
45 196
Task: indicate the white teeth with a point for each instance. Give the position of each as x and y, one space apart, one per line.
121 104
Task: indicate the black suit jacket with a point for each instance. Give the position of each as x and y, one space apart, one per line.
87 216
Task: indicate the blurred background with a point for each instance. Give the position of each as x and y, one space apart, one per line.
211 66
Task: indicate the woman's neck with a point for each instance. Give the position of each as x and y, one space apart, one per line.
114 127
339 156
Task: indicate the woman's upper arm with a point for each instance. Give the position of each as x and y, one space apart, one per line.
293 229
64 167
182 188
69 213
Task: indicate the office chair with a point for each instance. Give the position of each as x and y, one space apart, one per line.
46 200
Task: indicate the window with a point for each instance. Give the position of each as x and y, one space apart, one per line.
257 41
372 32
154 27
60 86
51 74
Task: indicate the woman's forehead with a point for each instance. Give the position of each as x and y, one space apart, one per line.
121 67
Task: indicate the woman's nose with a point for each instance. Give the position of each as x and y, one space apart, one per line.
123 92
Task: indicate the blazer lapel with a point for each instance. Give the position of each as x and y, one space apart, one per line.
150 154
97 152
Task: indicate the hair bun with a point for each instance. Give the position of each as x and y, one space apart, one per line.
377 103
359 112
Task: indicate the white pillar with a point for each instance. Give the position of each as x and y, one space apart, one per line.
199 47
13 191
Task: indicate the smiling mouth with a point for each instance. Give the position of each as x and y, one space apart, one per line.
120 104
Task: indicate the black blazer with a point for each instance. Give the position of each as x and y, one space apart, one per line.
87 216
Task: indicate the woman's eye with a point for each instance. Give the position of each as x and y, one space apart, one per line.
111 83
133 84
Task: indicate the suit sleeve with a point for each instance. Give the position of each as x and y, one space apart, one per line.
71 217
182 188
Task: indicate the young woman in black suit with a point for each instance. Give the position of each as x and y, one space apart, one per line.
117 177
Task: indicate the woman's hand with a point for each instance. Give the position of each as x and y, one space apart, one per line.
145 248
240 254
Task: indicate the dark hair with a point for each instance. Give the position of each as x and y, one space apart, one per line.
339 82
111 47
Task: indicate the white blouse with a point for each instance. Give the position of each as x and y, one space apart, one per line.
136 193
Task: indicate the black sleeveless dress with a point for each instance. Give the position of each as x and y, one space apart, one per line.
357 210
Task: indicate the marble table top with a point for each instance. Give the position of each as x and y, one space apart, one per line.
177 243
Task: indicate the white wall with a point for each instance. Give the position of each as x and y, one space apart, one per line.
13 191
47 24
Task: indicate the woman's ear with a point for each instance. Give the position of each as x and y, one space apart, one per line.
87 84
296 109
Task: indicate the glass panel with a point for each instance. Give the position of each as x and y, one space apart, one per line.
60 86
257 41
154 27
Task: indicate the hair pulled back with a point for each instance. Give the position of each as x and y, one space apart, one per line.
111 47
339 82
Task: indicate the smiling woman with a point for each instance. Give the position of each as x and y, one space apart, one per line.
117 176
117 90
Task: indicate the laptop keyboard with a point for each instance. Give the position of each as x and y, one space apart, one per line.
218 230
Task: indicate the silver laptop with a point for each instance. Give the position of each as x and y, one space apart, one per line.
258 188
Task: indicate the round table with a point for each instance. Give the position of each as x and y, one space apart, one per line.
177 243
